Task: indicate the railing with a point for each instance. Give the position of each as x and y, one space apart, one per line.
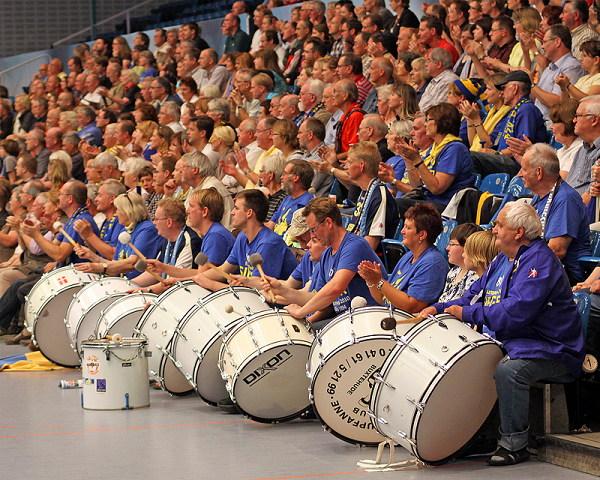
22 64
126 13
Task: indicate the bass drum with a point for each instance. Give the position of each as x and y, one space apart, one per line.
262 360
436 388
345 358
123 314
159 325
45 310
199 337
84 310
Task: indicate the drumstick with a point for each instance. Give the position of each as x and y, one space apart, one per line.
390 323
59 226
125 239
115 337
142 266
202 259
256 260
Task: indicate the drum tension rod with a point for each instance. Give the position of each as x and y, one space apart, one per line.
378 378
418 405
466 340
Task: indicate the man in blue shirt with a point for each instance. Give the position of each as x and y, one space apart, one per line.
525 298
559 61
559 206
296 180
249 212
338 264
523 120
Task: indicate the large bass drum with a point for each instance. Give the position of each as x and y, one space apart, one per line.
198 339
123 314
345 358
45 310
263 361
84 310
159 324
436 388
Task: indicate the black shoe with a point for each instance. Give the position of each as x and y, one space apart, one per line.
502 457
228 406
481 446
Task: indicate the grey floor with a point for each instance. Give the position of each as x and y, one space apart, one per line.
44 433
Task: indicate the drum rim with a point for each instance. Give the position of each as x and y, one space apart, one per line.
427 391
161 372
110 344
87 310
118 301
98 300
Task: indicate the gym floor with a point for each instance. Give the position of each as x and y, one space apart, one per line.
46 434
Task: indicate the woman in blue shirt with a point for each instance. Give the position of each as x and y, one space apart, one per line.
419 276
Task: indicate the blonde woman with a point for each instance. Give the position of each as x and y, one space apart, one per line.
479 251
59 170
222 142
402 103
67 122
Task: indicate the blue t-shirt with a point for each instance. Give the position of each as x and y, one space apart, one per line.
278 259
567 216
454 159
528 121
146 239
352 251
217 244
397 163
424 279
285 211
306 271
80 214
110 230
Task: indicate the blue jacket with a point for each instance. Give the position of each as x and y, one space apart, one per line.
529 306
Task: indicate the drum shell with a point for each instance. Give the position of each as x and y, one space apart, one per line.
199 337
45 310
344 357
114 375
444 388
159 324
122 315
84 310
263 360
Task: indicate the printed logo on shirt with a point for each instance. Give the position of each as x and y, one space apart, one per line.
533 273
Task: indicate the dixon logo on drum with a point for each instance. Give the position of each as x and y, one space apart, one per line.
269 366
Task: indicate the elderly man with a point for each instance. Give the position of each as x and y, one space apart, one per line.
169 115
575 16
525 298
311 96
561 210
439 66
381 74
215 74
310 137
288 108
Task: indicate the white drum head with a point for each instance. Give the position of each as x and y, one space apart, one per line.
123 314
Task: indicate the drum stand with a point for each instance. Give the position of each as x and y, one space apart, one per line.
377 466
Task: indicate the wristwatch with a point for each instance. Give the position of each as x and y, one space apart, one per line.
380 284
104 268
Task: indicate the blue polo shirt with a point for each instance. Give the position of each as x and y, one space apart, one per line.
217 244
454 159
146 239
80 214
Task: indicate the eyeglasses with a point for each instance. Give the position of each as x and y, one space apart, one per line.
578 115
314 229
156 219
549 39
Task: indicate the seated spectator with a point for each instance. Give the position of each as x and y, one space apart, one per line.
459 277
418 277
588 84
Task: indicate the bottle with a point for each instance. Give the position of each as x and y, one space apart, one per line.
67 384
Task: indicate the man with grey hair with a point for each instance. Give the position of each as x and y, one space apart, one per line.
561 210
215 74
587 127
199 173
311 96
380 74
169 115
525 298
219 111
310 137
108 165
34 143
439 66
70 144
374 129
288 108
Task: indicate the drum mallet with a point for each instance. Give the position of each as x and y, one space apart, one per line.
229 309
125 239
59 227
115 337
256 260
390 323
142 266
202 259
358 302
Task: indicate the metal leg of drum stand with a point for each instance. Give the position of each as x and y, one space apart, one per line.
377 466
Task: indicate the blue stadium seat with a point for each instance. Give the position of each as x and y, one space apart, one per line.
589 262
393 248
441 242
495 183
584 303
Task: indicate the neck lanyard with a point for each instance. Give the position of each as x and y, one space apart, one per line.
172 248
546 210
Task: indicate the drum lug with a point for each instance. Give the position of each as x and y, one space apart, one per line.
438 365
353 335
379 379
418 405
177 363
404 436
466 340
191 380
442 324
321 359
371 414
492 339
381 420
180 333
198 353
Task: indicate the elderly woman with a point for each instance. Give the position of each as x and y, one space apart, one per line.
131 175
448 166
525 298
393 170
419 76
419 276
133 215
460 277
